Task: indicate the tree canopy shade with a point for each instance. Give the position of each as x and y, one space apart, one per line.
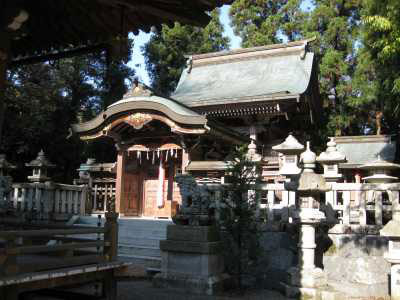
37 27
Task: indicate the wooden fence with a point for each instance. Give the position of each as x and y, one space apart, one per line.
35 247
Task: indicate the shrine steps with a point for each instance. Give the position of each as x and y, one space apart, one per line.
138 239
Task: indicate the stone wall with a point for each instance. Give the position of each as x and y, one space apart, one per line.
353 262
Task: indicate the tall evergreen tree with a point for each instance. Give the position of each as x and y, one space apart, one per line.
261 22
335 24
44 99
377 79
164 53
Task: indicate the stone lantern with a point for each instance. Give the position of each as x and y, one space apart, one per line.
330 160
40 165
290 149
392 231
380 170
306 278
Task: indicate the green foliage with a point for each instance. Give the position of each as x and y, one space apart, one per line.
238 215
377 79
164 53
261 22
44 99
335 24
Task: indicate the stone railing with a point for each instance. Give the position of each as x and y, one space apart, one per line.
45 201
347 203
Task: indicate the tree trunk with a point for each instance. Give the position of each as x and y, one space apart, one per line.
4 59
3 74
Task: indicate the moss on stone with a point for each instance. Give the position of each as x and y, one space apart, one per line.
331 251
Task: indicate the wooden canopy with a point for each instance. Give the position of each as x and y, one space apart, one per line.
46 26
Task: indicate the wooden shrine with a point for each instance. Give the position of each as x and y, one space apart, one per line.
255 95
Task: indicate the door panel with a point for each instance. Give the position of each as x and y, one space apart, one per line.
132 193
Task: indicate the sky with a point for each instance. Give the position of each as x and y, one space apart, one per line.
142 38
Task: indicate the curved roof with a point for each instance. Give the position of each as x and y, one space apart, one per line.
259 73
170 108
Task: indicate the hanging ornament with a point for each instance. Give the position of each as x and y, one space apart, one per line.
176 153
154 155
158 152
166 155
147 153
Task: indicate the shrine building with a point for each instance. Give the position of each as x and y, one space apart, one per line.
254 96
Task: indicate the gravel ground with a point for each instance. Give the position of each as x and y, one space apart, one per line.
142 289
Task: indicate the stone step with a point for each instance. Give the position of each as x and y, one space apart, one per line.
136 241
127 249
148 262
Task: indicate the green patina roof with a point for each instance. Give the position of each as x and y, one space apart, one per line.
253 74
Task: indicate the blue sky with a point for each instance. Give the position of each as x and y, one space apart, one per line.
142 38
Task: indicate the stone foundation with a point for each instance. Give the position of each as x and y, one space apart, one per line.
353 263
191 260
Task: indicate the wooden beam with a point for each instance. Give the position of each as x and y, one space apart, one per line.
199 20
58 55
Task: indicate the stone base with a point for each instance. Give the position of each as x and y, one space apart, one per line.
192 284
313 278
192 260
305 284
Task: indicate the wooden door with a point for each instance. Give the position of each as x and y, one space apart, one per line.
132 193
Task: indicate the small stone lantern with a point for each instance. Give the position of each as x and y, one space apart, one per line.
40 165
392 230
380 171
306 278
330 160
290 149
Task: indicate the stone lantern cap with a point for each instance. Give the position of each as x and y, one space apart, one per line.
380 164
290 146
41 161
308 182
331 155
4 164
380 169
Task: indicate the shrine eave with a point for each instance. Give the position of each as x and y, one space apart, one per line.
158 108
56 26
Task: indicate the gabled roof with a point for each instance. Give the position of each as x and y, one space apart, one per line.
281 71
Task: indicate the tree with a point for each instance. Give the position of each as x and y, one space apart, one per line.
44 99
165 52
260 22
238 215
377 79
335 24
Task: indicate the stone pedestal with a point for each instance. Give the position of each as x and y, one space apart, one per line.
192 260
392 230
306 279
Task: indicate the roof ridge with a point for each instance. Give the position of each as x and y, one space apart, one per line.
251 49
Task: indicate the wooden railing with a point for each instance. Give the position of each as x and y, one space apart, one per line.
33 248
45 201
101 192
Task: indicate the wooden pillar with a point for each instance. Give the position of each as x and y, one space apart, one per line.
119 183
185 160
